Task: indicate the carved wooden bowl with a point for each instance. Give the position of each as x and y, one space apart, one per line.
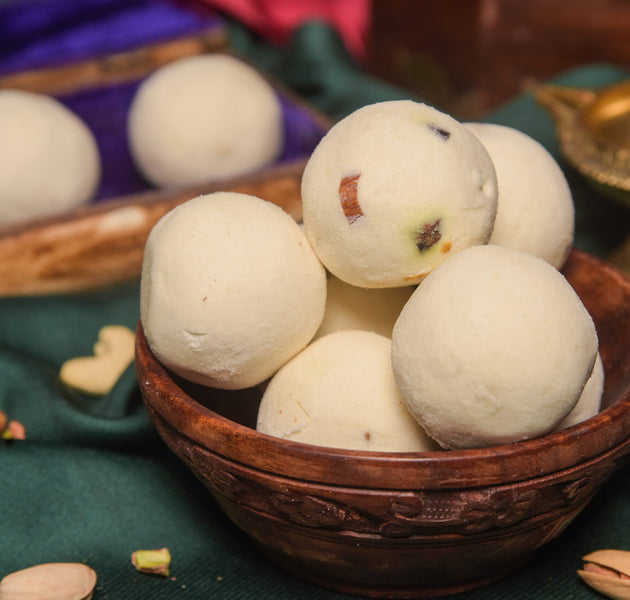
402 525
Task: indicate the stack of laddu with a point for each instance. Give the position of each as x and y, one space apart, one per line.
487 343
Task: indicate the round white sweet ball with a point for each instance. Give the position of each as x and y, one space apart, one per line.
204 118
394 189
536 213
230 290
340 392
494 346
366 309
49 160
590 400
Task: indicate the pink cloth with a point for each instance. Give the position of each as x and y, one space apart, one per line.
276 19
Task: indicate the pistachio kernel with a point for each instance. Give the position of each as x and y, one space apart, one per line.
427 235
153 562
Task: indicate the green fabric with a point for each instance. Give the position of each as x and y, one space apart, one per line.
317 66
92 483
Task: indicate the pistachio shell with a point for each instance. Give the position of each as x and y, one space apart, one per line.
619 560
613 587
50 581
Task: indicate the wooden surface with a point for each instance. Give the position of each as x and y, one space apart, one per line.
468 56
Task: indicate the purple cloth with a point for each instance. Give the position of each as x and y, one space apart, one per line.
41 33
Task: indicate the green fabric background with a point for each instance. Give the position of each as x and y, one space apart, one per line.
92 483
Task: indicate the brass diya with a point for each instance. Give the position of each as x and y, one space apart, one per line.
593 130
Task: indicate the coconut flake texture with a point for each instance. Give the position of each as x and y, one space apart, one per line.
230 290
536 213
49 160
494 346
340 392
204 118
394 189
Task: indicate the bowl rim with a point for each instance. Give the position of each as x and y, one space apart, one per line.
501 464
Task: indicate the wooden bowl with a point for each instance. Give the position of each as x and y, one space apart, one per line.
410 524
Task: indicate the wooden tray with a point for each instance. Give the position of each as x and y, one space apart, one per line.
114 68
102 243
